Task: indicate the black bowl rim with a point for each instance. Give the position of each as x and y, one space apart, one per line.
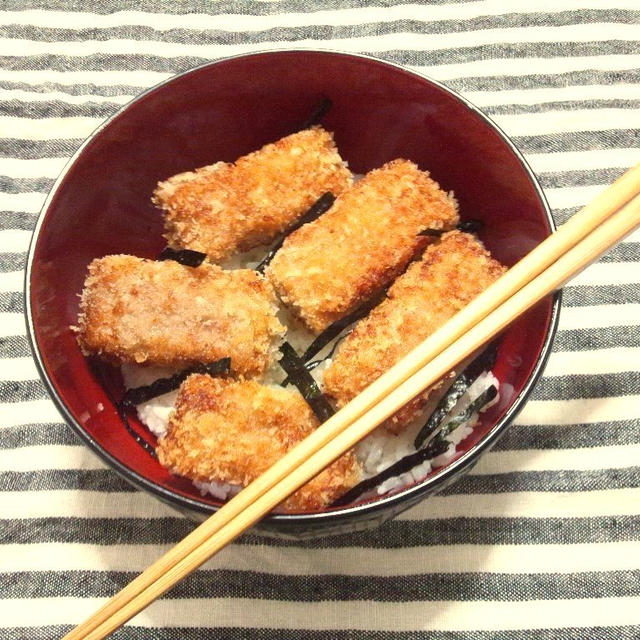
430 484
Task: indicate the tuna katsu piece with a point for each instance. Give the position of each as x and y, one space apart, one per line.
163 313
450 274
231 432
329 266
228 207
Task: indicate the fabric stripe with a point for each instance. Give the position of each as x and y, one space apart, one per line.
584 296
28 435
12 325
533 504
19 369
11 302
585 141
591 386
590 316
11 262
240 633
252 8
598 361
430 587
442 17
106 481
122 85
541 412
533 124
20 413
437 60
14 346
396 534
88 107
322 24
479 75
51 456
385 38
194 612
573 434
618 502
596 338
549 164
504 559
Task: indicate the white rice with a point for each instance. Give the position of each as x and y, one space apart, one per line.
376 452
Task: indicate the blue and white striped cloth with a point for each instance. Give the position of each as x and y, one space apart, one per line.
541 541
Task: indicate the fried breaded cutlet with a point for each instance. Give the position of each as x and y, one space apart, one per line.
329 266
163 313
229 207
450 274
231 432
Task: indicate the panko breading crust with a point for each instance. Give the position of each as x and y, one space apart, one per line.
224 208
327 267
163 313
231 432
450 274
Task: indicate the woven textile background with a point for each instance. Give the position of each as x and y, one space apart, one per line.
541 541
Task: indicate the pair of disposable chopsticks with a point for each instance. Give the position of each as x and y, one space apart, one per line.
590 232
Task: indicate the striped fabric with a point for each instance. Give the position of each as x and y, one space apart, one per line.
541 541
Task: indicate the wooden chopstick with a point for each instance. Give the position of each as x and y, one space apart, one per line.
522 286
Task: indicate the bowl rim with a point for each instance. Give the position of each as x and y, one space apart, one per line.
437 480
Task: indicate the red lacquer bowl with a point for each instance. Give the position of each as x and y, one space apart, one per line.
100 205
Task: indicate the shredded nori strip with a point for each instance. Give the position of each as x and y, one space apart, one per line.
483 362
435 448
303 380
469 226
319 112
94 367
334 329
456 391
363 310
310 366
187 257
433 233
484 398
137 395
322 204
122 414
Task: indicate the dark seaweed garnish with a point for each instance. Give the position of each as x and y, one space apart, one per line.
433 233
187 257
483 362
464 416
435 448
319 112
310 366
122 414
322 204
360 312
137 395
468 226
303 380
95 367
334 329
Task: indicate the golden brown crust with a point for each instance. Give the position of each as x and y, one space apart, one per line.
231 432
326 268
224 208
163 313
450 274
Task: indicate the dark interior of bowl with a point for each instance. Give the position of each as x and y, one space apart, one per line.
219 112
